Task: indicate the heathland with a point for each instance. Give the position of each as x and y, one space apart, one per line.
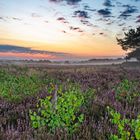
79 102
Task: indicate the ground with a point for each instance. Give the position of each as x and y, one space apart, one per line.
112 86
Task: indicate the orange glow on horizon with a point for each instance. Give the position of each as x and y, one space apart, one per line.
89 48
27 55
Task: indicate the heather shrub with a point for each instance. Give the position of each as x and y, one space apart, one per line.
127 128
88 119
127 90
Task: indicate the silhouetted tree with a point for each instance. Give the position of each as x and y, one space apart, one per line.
131 42
135 54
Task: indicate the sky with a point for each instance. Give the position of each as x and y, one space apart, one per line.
65 29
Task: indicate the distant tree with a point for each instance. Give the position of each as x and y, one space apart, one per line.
67 62
131 42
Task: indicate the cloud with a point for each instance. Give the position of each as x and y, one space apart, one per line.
101 33
10 18
64 31
104 12
72 2
104 19
138 19
136 0
35 15
121 24
81 14
46 21
87 8
55 0
108 3
86 22
80 31
124 16
10 48
76 29
128 11
110 22
119 4
69 2
20 52
62 19
15 18
2 18
21 49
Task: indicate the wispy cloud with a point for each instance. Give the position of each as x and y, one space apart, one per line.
62 19
81 14
15 18
2 19
138 19
76 29
101 33
87 8
105 12
70 2
64 31
86 22
121 24
21 49
108 3
35 15
128 11
136 0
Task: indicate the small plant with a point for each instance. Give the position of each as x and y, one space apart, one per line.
126 90
15 88
127 128
49 83
64 116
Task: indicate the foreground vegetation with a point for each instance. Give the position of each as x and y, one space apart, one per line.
87 103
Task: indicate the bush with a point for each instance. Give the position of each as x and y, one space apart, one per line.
15 88
65 115
127 128
126 90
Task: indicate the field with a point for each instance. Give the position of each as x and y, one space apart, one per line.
70 102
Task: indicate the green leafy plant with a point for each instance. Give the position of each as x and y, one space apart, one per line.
49 83
127 128
16 87
126 90
64 116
